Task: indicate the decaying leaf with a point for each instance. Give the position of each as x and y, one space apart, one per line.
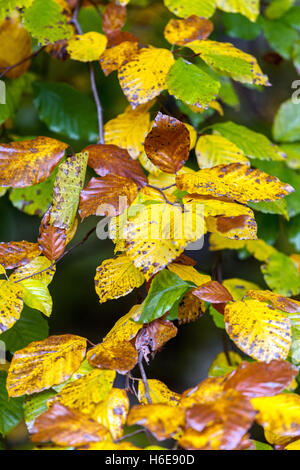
213 292
154 336
15 254
113 411
115 355
181 32
39 269
114 57
278 301
114 18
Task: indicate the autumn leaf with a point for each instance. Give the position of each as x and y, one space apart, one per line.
168 143
15 254
87 47
67 427
190 308
259 330
117 277
52 241
214 150
113 411
16 46
140 80
235 181
39 269
113 18
185 8
159 393
239 287
258 248
190 29
213 292
115 355
113 58
111 159
248 9
278 301
43 364
126 328
11 304
154 336
36 295
29 162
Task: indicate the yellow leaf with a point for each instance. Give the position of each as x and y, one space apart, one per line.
114 57
207 391
279 415
86 393
116 355
239 287
190 308
277 300
117 277
143 78
128 130
2 270
220 363
36 295
188 273
185 8
15 47
250 9
106 445
162 420
159 393
213 150
11 304
113 411
162 179
43 364
258 248
42 266
150 167
181 32
193 136
125 329
293 446
228 60
87 47
259 330
235 181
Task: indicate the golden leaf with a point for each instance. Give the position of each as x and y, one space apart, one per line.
278 301
113 411
181 32
213 150
86 393
39 269
259 330
128 130
244 7
117 277
159 393
87 47
107 445
11 304
15 47
189 273
43 364
114 57
235 181
29 162
190 308
238 287
15 254
143 78
207 391
125 329
116 355
162 420
67 427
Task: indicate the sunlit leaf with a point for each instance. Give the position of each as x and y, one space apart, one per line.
213 150
192 28
159 393
185 8
115 355
249 9
87 47
114 57
239 287
39 269
113 411
36 295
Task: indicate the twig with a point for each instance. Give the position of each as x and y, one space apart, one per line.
139 431
34 54
144 378
160 190
98 104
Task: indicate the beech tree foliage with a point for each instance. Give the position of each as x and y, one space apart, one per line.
163 175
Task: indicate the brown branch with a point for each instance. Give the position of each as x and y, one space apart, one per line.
160 190
144 378
11 67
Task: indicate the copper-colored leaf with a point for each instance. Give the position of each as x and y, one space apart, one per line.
154 335
190 308
113 18
109 195
52 240
110 159
258 379
43 364
116 355
168 144
29 162
162 420
213 292
181 32
15 254
67 427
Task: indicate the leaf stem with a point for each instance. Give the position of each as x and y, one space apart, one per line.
144 378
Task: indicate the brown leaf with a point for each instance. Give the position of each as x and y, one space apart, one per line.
181 32
102 196
110 159
113 18
154 335
278 301
213 292
258 379
15 254
190 308
114 57
225 224
119 356
52 240
168 144
185 260
29 162
118 37
67 427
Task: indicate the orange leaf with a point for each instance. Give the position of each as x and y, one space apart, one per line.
111 159
259 379
213 292
154 335
113 18
15 254
67 427
277 300
168 144
120 356
52 240
114 57
29 162
102 196
181 32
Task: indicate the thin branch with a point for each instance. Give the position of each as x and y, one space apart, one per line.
144 378
139 431
160 190
98 104
11 67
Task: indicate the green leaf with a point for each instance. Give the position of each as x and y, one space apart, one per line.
191 85
185 8
217 317
36 295
238 26
281 275
275 31
292 17
45 20
292 152
272 207
166 288
262 446
253 144
31 326
14 91
277 8
286 127
227 93
35 405
11 408
66 110
293 232
8 6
